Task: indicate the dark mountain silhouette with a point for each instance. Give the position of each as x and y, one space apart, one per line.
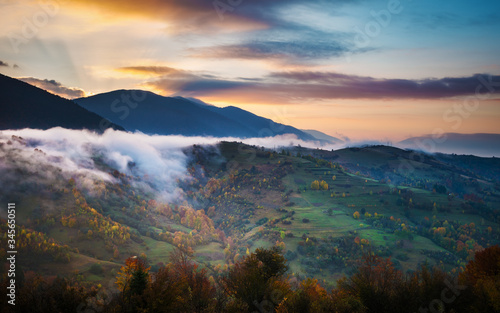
485 145
154 114
26 106
262 127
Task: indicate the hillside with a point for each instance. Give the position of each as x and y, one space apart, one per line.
222 200
486 145
26 106
154 114
414 168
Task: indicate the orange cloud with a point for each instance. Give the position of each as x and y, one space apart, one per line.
149 71
290 87
55 87
186 16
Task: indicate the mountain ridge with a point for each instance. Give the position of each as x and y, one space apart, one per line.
322 136
26 106
155 114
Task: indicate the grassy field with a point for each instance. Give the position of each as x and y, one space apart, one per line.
349 193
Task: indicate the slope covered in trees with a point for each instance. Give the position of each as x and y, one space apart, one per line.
234 201
258 283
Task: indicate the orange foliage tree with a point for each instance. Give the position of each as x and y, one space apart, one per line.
482 276
132 280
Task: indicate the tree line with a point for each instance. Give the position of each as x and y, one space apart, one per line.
259 282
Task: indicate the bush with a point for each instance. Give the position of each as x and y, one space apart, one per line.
290 255
96 269
262 221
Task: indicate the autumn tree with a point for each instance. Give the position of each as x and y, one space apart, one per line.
376 283
315 185
166 292
132 280
36 294
310 297
323 185
255 277
482 277
181 287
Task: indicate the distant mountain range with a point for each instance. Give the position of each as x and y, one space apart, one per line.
154 114
486 145
322 136
25 106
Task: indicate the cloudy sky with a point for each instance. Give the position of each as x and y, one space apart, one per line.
383 70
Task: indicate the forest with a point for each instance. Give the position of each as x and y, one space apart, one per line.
258 283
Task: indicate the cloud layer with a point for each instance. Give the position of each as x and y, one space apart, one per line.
31 157
290 51
156 162
201 16
55 87
284 86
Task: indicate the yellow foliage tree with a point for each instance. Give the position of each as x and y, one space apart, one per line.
133 277
323 185
315 185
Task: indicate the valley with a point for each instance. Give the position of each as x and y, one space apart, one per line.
324 214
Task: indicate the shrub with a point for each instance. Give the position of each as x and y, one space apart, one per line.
96 269
262 221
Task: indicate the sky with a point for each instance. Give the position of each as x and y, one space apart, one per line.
363 70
